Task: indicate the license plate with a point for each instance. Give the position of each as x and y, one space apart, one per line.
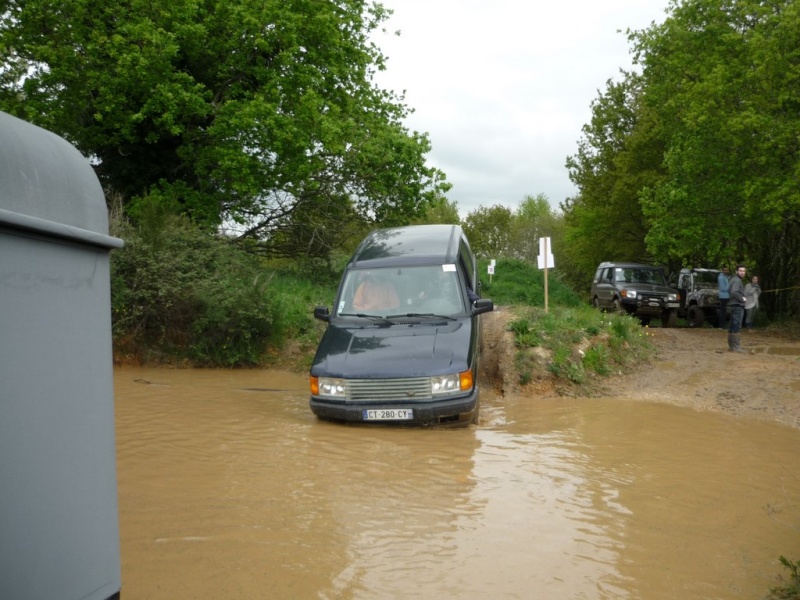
388 414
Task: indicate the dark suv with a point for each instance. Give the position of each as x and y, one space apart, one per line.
403 339
639 290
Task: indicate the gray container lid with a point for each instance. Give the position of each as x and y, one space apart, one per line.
48 187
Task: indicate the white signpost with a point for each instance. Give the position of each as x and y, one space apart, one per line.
546 261
491 269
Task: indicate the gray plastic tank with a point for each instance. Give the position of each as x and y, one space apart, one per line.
59 532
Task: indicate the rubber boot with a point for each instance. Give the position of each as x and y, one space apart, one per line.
737 342
730 342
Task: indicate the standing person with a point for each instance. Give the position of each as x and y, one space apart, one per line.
736 303
724 296
751 291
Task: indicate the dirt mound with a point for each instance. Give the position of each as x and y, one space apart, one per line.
499 355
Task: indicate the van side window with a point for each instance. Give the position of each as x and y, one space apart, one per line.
467 263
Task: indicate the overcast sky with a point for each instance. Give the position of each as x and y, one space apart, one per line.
504 87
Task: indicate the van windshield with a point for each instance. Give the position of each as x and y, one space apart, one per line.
402 290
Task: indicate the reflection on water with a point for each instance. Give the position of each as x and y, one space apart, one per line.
230 488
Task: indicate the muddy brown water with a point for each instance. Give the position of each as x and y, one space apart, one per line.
230 488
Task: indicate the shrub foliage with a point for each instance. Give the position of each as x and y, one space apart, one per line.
179 294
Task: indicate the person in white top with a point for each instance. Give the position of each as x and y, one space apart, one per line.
751 292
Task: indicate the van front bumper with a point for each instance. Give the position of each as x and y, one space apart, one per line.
452 411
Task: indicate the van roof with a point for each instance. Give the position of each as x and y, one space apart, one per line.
412 245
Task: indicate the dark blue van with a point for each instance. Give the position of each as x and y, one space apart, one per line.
403 339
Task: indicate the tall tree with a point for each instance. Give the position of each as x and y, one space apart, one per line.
722 76
619 155
439 210
258 113
489 231
535 219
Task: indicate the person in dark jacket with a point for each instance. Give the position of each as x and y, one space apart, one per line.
736 305
723 283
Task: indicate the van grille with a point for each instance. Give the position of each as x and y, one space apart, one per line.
408 389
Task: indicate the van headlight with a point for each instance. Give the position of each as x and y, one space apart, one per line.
628 294
328 387
452 383
673 297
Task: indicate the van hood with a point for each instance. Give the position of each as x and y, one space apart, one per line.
409 350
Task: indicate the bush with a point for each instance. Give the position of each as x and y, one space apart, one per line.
610 340
791 589
181 294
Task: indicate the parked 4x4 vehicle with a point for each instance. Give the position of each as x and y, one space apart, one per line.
639 290
699 296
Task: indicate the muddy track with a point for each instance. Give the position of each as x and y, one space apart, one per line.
692 368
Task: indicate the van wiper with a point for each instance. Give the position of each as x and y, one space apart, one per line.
418 315
363 316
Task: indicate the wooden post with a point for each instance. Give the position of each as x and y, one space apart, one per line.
546 252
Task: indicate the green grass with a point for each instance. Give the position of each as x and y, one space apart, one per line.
517 283
790 590
578 341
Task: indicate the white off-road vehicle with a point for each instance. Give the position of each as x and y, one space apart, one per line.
699 296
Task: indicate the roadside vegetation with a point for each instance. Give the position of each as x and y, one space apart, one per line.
181 296
570 341
790 587
576 344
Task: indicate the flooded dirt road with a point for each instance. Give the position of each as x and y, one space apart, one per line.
230 488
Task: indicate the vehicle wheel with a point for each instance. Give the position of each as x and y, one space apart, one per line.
617 307
476 416
694 316
596 303
670 318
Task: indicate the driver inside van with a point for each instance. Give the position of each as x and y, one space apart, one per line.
375 293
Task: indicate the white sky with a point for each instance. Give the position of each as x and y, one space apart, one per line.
503 88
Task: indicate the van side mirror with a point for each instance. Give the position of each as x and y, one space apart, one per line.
322 313
482 305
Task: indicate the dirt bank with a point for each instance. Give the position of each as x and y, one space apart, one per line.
692 367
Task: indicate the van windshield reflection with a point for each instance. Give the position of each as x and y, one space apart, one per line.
424 291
